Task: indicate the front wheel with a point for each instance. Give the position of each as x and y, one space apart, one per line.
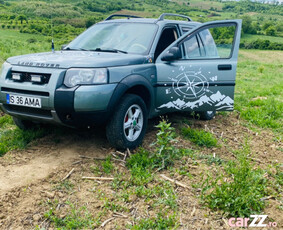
127 126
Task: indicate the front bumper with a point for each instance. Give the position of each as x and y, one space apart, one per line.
80 106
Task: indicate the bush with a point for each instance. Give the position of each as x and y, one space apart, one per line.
262 45
270 31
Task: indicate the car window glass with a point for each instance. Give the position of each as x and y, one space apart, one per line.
192 49
129 37
216 42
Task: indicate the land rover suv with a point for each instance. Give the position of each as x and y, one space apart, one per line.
121 72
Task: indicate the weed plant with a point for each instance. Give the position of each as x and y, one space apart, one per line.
77 218
164 154
200 137
238 191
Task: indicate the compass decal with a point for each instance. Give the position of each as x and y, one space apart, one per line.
190 84
190 90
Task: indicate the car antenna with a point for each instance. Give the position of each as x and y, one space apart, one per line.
52 35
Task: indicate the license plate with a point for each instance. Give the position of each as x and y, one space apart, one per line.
23 101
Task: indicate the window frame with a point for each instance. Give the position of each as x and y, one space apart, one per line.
196 32
167 26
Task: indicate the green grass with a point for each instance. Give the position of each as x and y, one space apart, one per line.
253 37
159 222
165 152
12 137
279 176
258 95
6 121
76 218
107 166
239 190
11 45
210 160
65 185
143 167
200 137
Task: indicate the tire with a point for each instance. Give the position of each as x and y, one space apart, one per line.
127 127
23 124
206 115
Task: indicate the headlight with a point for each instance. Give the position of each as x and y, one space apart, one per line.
75 77
4 69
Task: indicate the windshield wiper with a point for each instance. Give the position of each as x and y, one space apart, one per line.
99 50
80 49
109 50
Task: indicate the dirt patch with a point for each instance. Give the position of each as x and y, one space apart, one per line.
25 207
19 168
31 179
233 135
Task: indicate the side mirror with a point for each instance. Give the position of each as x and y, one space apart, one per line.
63 46
173 53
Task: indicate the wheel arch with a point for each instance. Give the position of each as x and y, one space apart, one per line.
143 92
134 84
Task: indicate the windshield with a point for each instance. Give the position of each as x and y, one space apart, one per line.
120 37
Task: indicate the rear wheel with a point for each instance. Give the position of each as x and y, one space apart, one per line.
23 124
127 126
206 115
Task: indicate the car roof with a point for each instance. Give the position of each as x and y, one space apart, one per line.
160 21
152 21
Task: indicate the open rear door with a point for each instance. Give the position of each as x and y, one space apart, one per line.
202 78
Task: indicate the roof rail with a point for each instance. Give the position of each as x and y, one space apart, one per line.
121 15
162 16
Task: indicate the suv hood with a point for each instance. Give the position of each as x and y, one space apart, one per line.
77 59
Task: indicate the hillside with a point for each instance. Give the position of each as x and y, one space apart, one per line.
69 18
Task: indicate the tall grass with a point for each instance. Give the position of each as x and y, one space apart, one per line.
259 93
13 43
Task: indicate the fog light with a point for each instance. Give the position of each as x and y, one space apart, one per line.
36 78
17 77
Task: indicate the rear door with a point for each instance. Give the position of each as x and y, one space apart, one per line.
203 79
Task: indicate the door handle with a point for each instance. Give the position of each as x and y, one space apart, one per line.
224 67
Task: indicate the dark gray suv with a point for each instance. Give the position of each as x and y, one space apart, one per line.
121 72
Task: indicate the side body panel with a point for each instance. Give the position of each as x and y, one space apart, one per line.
198 84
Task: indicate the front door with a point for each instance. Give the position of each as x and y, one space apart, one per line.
203 79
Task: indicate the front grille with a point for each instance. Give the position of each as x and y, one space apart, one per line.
28 111
21 91
26 77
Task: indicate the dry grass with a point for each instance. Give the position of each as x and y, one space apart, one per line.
263 56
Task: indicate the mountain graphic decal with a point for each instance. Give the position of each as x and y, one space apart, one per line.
217 100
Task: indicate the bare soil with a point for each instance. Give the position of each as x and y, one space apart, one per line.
30 178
